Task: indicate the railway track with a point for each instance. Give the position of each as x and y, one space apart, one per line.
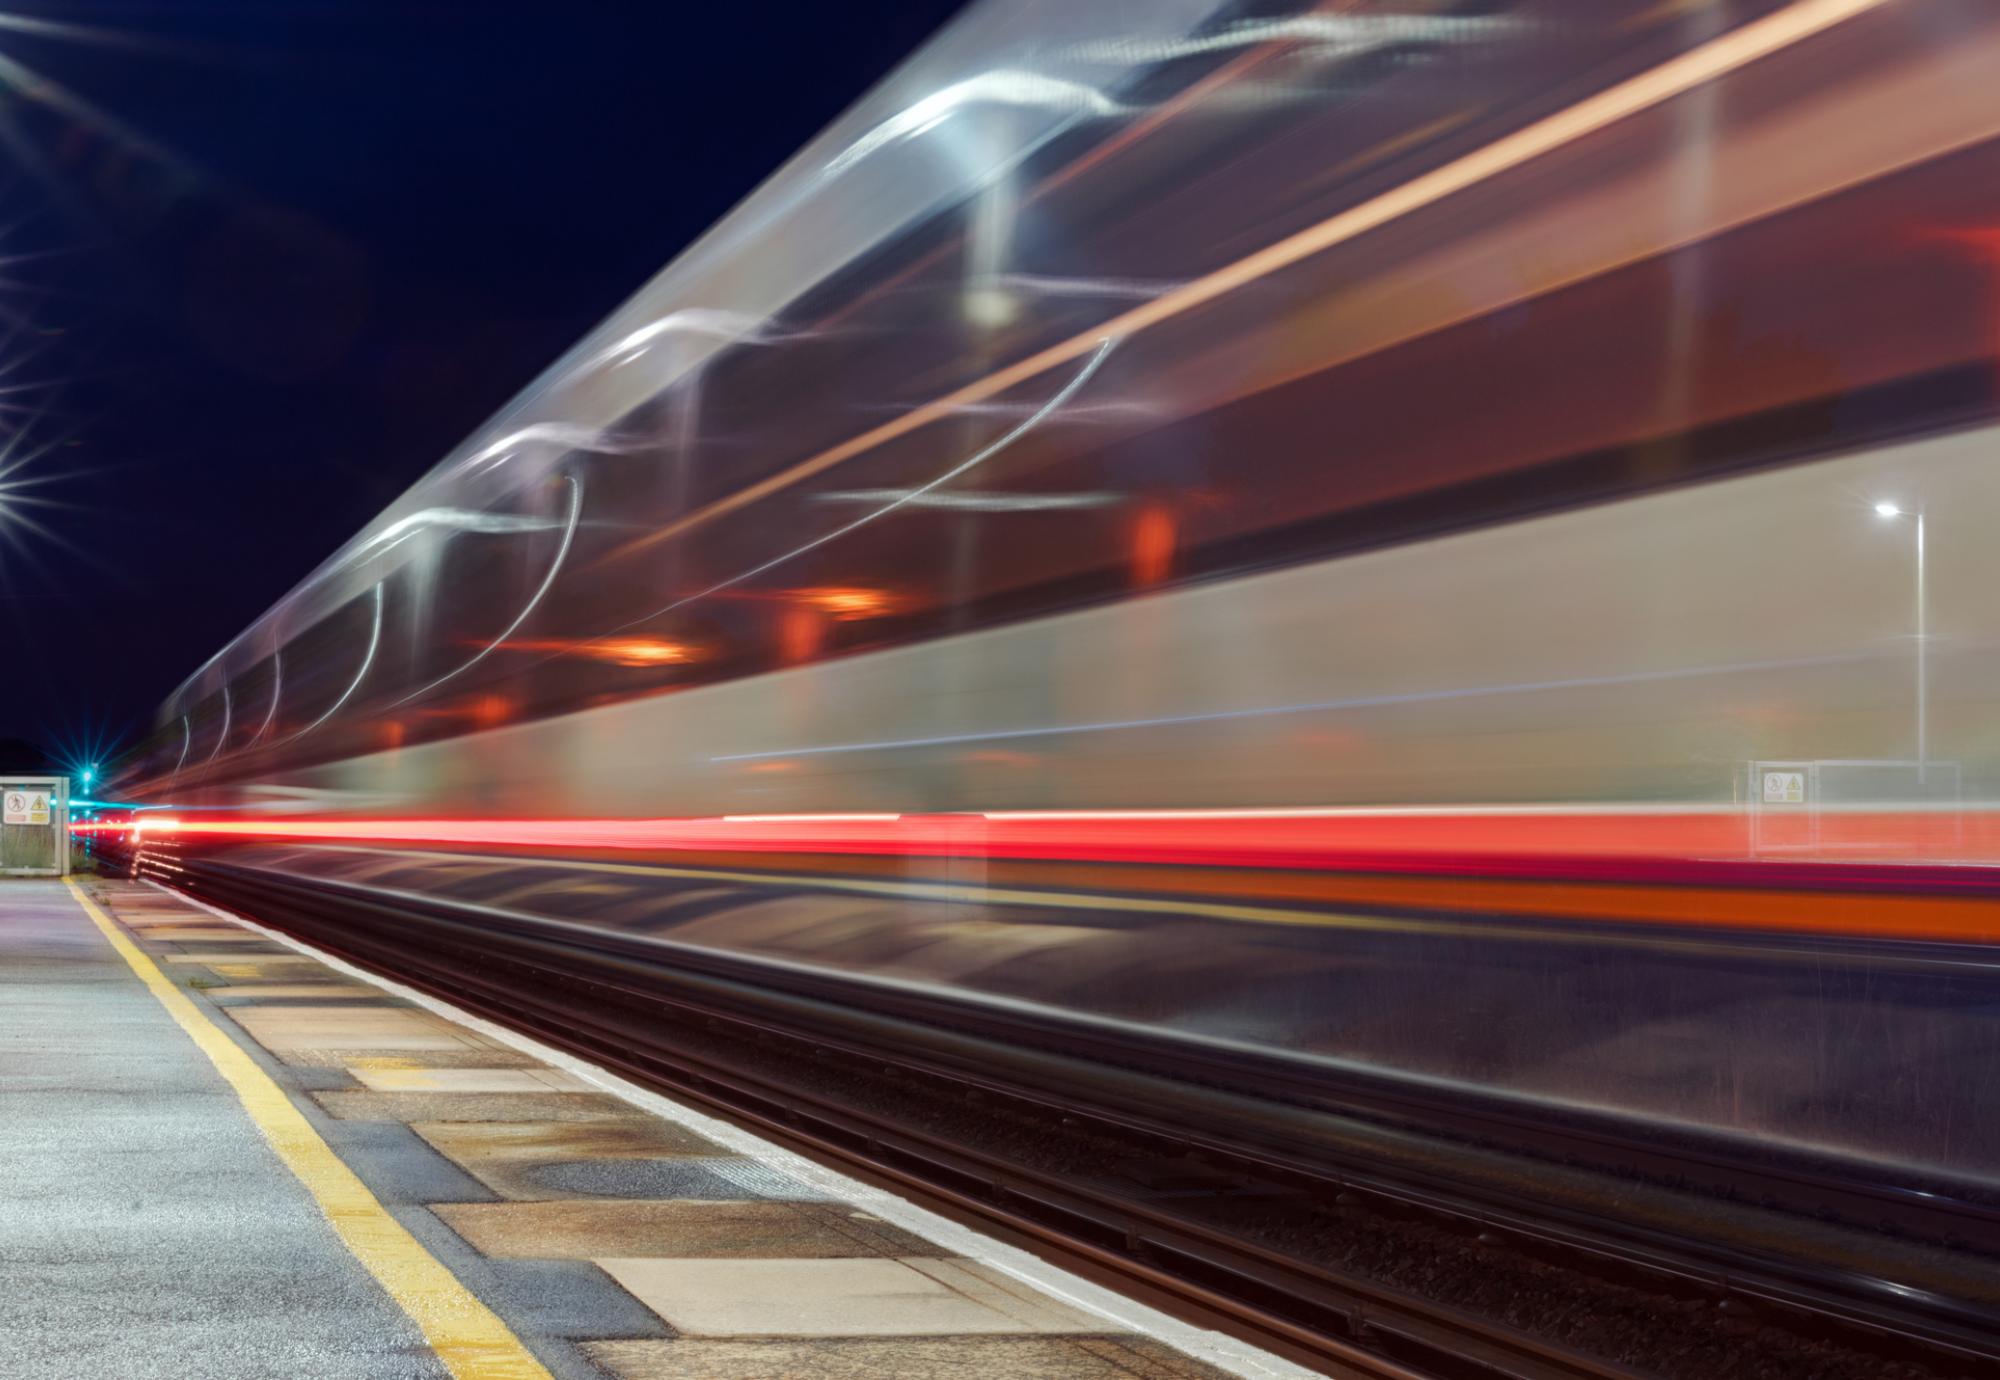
1356 1249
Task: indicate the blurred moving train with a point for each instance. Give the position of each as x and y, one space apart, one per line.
1448 539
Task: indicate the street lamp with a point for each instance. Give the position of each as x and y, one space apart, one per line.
1890 511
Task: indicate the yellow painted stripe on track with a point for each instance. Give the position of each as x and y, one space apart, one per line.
466 1335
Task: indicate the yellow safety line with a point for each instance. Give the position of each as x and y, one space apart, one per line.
466 1335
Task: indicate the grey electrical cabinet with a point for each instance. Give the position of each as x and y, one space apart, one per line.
34 826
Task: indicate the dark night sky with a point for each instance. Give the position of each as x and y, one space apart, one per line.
278 256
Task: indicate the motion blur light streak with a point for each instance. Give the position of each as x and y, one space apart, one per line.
1716 58
1002 88
619 651
1317 706
1319 35
979 457
575 489
277 689
450 520
222 736
367 660
1484 865
724 327
970 501
554 437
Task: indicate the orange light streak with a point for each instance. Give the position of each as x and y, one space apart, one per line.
620 651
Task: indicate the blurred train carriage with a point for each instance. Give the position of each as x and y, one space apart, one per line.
1332 531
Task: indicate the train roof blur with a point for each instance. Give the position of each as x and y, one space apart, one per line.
865 181
1062 265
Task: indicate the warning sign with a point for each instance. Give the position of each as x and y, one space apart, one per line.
25 807
1780 788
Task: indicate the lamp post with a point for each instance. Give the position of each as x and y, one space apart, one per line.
1890 511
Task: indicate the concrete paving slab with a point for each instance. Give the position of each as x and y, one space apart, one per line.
568 1298
926 1358
468 1080
840 1298
206 934
637 1137
283 1027
686 1230
237 956
146 1227
242 969
287 991
400 1167
318 1080
505 1155
349 1027
417 1106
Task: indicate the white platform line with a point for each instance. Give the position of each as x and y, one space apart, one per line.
1215 1348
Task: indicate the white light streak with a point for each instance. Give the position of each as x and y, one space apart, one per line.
548 580
905 499
1311 707
277 688
1005 87
559 435
223 736
972 500
374 641
730 327
1330 36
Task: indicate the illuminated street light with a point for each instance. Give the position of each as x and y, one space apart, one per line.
1889 510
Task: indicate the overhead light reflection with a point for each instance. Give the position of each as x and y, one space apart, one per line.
619 651
367 660
972 500
555 568
1320 36
1005 87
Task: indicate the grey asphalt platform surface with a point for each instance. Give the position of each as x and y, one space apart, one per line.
146 1229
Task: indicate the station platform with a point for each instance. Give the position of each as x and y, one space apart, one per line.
228 1156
